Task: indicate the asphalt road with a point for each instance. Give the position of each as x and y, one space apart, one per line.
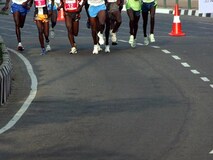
148 103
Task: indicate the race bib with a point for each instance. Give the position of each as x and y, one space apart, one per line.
111 1
40 3
71 5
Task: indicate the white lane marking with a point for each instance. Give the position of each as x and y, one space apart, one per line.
155 46
195 71
185 64
140 44
166 51
211 85
176 57
211 152
122 40
25 106
205 79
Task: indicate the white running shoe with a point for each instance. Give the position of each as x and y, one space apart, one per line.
152 38
113 38
107 49
131 39
99 48
52 33
133 45
95 49
20 47
101 38
73 50
146 41
48 48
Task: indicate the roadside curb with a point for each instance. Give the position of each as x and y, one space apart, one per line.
5 74
188 12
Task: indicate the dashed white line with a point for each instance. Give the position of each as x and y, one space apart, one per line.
185 64
155 46
211 85
25 106
176 57
205 79
122 40
140 44
195 71
211 152
166 51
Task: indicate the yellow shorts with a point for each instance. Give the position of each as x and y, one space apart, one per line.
41 17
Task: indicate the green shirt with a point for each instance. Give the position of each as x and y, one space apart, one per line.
134 4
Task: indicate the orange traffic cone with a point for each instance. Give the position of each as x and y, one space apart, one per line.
60 15
176 26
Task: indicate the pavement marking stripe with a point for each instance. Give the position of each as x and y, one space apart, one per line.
155 47
185 64
195 71
122 40
176 57
211 152
166 51
205 79
211 85
26 104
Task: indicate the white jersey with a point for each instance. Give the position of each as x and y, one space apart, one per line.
19 1
96 2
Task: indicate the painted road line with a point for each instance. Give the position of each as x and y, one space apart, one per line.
211 152
122 41
155 47
140 44
185 64
166 51
195 71
211 85
176 57
205 79
30 98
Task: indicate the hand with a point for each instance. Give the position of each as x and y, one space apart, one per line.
79 9
24 4
5 8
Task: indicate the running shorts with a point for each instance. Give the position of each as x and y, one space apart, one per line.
41 17
112 7
73 15
94 10
19 8
147 6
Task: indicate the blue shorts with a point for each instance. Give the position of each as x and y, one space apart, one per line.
19 8
146 7
94 10
50 6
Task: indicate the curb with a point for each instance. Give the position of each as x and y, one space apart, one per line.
5 74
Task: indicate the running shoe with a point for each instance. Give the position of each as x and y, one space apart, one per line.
99 48
113 38
152 38
52 33
48 48
107 49
101 38
146 41
95 49
43 51
20 47
73 50
131 39
88 24
133 44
